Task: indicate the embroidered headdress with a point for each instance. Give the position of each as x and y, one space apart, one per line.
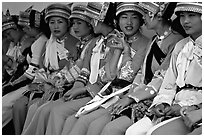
78 10
57 9
189 6
164 9
7 21
97 10
29 17
128 6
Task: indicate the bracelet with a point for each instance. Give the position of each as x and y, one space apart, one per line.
80 80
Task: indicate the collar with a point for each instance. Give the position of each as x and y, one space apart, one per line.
62 40
86 39
197 42
134 37
83 41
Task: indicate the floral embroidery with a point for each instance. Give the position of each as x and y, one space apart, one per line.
127 72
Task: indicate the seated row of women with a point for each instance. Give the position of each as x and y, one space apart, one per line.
154 85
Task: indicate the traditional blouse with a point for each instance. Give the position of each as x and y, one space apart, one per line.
160 63
185 69
131 65
37 50
58 52
96 64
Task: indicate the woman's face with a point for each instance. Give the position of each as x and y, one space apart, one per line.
11 34
81 28
192 23
129 22
58 26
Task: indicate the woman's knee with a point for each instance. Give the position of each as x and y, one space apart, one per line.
117 127
20 104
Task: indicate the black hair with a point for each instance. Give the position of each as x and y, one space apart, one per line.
111 15
15 19
44 27
175 24
169 11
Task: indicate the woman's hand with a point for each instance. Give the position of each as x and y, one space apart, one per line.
174 110
161 109
121 104
186 109
71 94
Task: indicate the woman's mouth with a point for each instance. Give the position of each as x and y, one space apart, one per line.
56 31
129 28
187 27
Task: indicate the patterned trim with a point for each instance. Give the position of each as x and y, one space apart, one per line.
25 18
7 22
79 11
127 73
193 7
97 10
129 7
9 25
83 76
57 9
152 7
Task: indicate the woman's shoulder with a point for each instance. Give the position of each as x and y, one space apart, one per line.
142 42
42 39
180 44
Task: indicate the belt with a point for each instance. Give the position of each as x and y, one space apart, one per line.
188 86
35 65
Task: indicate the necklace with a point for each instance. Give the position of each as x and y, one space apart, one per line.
166 33
161 38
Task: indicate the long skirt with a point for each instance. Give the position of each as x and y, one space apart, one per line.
7 104
60 113
36 122
80 126
173 126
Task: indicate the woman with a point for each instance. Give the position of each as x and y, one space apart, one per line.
132 107
32 54
176 90
7 23
83 29
59 54
35 29
15 58
14 62
129 17
104 69
103 51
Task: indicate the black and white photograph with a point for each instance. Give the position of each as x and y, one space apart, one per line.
101 68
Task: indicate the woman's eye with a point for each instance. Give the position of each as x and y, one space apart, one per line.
124 17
